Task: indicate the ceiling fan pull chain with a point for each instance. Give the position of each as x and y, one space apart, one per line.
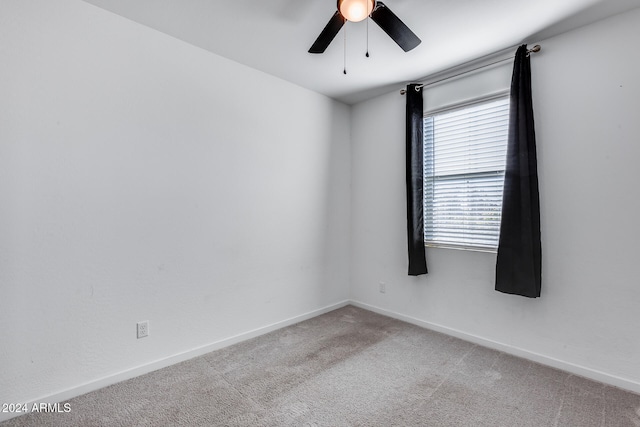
367 54
345 51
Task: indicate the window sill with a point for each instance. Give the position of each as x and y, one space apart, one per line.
462 248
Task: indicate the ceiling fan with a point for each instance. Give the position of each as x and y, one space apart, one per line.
357 10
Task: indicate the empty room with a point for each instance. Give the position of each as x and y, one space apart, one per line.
319 213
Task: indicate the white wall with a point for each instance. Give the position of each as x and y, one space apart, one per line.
145 179
586 101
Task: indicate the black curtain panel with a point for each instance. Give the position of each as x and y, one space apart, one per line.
519 261
415 182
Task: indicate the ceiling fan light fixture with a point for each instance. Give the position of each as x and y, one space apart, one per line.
355 10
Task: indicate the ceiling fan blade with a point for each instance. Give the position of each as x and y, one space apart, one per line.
328 34
394 27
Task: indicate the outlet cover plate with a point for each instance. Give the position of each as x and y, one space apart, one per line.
143 329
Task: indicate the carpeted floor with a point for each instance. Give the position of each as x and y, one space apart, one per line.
351 367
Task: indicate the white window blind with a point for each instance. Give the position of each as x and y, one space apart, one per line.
464 162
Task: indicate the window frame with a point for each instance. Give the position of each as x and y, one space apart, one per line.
500 95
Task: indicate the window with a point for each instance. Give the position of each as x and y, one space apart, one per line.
464 161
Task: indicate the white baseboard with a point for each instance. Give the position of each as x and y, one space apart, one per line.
515 351
168 361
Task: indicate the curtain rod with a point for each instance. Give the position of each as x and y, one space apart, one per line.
534 49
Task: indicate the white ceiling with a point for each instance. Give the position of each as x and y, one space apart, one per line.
274 36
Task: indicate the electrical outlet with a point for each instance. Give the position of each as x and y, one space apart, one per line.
143 329
383 287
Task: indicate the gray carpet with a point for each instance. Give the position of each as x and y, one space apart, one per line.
351 367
